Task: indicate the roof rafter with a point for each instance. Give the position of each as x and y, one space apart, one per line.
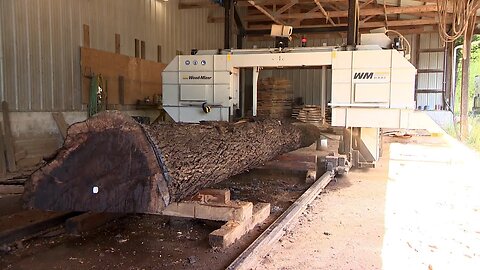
270 14
364 12
324 12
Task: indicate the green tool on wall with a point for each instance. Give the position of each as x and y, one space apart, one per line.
97 95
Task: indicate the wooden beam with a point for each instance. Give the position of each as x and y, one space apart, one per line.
376 24
324 12
61 123
286 7
267 12
364 5
244 3
298 21
364 12
197 4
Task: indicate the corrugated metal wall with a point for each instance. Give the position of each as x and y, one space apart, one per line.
430 79
41 40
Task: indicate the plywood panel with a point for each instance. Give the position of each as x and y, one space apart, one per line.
142 78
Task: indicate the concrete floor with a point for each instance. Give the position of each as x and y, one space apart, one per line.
419 209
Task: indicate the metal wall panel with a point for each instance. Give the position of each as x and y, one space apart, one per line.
40 41
305 82
430 80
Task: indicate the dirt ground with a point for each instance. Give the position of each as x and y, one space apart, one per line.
419 209
154 242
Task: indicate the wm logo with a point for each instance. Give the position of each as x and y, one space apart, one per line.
363 75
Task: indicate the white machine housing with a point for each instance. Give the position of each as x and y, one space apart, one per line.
371 87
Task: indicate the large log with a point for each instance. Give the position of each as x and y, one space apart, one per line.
110 163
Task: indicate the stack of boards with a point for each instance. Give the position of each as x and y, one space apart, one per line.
275 98
309 114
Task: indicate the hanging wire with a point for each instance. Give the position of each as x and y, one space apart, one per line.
461 11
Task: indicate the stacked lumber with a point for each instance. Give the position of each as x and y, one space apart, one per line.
311 114
308 113
275 97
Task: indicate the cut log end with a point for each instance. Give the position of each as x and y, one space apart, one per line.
105 165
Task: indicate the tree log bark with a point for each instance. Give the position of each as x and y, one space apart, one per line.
110 163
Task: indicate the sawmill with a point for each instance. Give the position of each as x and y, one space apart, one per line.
238 134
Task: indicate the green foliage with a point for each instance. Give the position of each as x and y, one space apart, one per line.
473 139
474 71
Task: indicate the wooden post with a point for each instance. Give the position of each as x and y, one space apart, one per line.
9 143
465 78
159 53
117 43
142 49
416 61
3 161
86 36
137 48
121 90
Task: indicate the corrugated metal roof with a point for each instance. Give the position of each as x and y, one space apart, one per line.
41 39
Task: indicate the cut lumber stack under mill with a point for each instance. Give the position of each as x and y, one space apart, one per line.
307 113
275 97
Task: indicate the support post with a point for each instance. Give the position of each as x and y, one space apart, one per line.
323 101
240 28
352 34
465 78
256 71
228 19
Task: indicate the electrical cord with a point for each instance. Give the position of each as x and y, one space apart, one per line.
409 51
462 10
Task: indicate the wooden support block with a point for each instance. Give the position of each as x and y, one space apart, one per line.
263 244
9 145
61 123
180 209
235 210
88 221
234 230
11 189
212 196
